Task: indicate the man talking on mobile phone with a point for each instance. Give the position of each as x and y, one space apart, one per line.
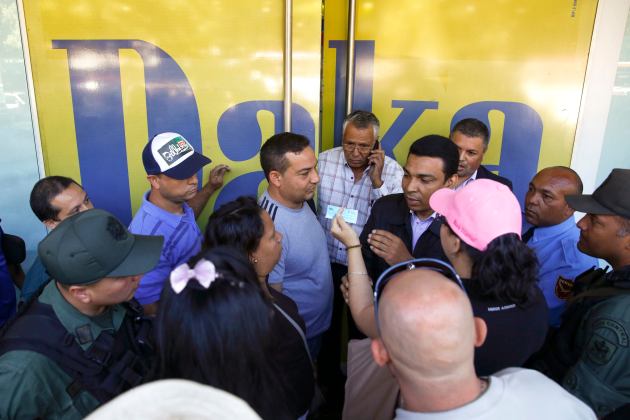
353 176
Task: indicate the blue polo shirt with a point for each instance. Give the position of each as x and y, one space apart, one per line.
560 262
182 240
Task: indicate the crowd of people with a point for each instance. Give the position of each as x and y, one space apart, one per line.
449 299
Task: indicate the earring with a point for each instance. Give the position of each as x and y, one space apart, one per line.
254 260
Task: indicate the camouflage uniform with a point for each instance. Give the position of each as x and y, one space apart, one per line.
590 353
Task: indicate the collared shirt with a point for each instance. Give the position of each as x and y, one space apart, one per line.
337 187
32 385
468 181
182 240
75 321
559 263
419 226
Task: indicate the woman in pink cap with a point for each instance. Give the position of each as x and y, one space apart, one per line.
480 236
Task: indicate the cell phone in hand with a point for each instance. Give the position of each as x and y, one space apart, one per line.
377 145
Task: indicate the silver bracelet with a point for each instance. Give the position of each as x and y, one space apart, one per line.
357 273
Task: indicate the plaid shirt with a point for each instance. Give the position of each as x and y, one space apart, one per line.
337 188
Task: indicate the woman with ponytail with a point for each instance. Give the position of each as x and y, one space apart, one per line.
214 326
480 235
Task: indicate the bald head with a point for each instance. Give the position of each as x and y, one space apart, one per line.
565 174
427 325
544 202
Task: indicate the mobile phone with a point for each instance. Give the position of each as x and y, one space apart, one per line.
377 146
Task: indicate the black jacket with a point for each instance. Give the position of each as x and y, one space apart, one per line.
483 173
391 213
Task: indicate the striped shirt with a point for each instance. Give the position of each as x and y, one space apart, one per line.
182 240
337 188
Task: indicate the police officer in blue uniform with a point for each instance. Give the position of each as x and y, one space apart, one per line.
554 236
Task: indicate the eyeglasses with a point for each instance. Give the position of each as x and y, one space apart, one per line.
418 263
350 147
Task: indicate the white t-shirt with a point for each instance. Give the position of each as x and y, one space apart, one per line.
514 393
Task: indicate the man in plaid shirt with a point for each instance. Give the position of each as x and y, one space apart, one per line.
353 176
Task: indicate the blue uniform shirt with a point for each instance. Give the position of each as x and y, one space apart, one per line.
182 240
560 262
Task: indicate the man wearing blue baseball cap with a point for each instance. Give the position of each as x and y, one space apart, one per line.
171 207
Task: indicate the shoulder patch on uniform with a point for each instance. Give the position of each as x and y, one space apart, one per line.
563 288
607 337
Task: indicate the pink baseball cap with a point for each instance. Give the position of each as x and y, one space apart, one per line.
480 212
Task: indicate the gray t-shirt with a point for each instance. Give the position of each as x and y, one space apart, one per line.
304 267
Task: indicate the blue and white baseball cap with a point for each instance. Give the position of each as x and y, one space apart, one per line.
172 155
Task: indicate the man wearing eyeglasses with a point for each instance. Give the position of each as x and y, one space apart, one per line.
353 176
427 339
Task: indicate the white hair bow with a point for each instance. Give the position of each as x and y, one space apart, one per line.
204 272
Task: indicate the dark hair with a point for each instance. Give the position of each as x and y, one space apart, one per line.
221 336
272 153
237 223
472 127
362 119
44 191
507 270
438 147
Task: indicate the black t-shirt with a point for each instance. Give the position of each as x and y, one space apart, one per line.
514 332
291 355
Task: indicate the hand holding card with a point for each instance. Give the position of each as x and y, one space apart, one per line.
342 231
349 215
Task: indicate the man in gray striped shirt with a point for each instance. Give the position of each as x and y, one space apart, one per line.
303 272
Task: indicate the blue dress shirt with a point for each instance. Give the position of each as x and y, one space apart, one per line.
560 262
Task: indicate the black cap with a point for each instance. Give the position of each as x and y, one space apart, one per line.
612 197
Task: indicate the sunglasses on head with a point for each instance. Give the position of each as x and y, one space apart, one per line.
416 264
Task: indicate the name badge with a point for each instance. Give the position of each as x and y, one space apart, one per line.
349 215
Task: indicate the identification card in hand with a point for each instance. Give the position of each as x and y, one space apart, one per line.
349 215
